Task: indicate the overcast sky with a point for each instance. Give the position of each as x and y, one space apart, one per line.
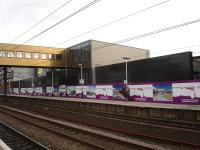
16 16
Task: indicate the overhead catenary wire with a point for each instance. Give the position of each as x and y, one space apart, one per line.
40 21
145 35
62 20
112 22
37 23
149 34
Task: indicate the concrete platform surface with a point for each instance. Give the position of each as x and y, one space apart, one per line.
122 103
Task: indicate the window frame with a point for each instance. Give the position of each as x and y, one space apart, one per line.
17 55
9 51
33 54
4 53
25 53
44 54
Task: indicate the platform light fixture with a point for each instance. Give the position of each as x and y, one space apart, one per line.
81 80
126 60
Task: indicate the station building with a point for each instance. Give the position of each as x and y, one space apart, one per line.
175 67
38 65
92 54
101 62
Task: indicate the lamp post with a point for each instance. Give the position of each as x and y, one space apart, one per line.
81 80
52 78
81 70
32 78
126 59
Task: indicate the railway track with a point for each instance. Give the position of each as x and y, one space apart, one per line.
95 139
170 123
118 140
64 108
153 129
16 140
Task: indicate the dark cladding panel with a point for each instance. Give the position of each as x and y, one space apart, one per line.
164 68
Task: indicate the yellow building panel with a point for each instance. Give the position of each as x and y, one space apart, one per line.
32 62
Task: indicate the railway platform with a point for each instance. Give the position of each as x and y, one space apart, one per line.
181 112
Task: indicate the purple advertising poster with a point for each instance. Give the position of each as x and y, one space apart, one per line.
104 92
186 92
30 91
141 92
16 91
91 91
49 91
162 92
56 91
80 91
71 91
62 90
120 92
39 91
24 91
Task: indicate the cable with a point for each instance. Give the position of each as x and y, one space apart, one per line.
144 35
148 34
39 22
62 20
112 22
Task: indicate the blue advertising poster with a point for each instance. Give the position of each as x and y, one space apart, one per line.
120 92
91 91
162 92
71 91
62 90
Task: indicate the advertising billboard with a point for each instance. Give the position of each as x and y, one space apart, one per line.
49 91
62 90
24 91
39 91
141 92
186 92
16 91
30 91
104 92
120 92
71 91
91 91
162 92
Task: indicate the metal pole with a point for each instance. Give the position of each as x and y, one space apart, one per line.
33 78
19 84
5 79
52 78
12 73
81 72
126 72
126 59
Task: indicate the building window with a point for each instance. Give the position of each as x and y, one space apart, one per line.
19 54
36 55
10 54
44 56
27 55
58 56
2 53
53 56
50 56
